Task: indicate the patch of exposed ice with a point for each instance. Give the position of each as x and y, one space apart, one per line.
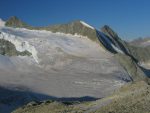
20 44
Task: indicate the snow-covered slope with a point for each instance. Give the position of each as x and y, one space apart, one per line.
2 23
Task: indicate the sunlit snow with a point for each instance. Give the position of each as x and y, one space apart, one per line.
87 25
2 23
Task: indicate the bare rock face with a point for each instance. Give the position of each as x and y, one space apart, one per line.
130 57
15 22
113 36
74 28
108 31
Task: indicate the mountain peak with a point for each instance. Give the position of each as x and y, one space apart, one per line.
81 23
14 18
75 27
15 22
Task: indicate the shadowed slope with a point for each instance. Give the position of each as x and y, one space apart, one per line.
11 99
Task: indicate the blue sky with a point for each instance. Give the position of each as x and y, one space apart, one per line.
130 18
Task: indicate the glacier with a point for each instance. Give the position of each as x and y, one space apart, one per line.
62 66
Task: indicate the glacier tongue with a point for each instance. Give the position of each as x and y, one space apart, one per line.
20 44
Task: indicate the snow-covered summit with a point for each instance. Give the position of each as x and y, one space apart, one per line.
87 25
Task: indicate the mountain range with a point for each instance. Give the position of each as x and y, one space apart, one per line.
64 67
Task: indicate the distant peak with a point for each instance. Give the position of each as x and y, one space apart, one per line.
14 18
87 25
15 22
